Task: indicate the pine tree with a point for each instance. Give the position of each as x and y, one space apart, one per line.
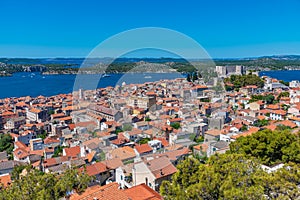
188 78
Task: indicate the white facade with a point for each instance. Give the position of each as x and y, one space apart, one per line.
274 116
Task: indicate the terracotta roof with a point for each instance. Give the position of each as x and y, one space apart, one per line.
94 140
21 153
175 154
65 118
113 163
200 87
49 140
37 152
201 147
279 112
86 124
176 120
213 132
72 151
5 179
110 191
273 107
55 161
143 148
271 127
287 123
90 156
20 144
68 108
142 192
71 126
164 142
7 113
249 132
261 117
161 167
35 110
58 115
123 153
95 169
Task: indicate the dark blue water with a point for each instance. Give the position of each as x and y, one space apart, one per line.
29 84
288 75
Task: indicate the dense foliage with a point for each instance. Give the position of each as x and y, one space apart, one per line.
6 143
175 125
239 81
261 123
230 176
268 99
270 147
38 185
238 174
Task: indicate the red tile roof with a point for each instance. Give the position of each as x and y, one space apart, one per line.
72 151
95 169
287 123
5 179
142 192
143 148
161 167
164 142
107 192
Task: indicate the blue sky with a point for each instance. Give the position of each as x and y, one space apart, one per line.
72 28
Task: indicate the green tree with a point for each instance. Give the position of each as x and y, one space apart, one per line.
188 78
38 185
58 151
261 123
175 125
270 147
239 81
42 135
231 176
6 143
226 176
194 76
144 141
244 128
127 127
147 119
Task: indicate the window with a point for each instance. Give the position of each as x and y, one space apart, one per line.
121 178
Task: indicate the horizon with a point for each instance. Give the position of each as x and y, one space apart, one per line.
216 58
231 29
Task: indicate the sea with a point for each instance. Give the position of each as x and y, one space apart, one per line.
285 75
35 84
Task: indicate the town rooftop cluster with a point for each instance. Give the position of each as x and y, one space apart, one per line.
131 137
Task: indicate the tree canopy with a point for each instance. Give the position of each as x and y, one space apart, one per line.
238 174
239 81
38 185
6 143
269 99
270 147
231 176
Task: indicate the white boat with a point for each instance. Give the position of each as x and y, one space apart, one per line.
148 77
105 75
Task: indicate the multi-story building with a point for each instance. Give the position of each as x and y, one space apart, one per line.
36 115
36 144
14 123
145 102
108 113
229 70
